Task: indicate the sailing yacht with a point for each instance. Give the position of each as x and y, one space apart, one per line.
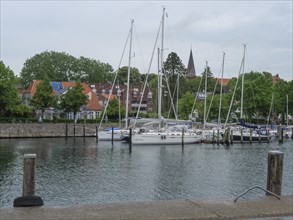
177 133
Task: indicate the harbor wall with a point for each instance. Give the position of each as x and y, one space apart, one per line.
46 130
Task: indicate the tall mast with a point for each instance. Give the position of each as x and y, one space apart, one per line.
221 90
161 72
205 95
242 84
128 76
287 111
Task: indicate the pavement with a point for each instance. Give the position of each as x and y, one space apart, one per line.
266 207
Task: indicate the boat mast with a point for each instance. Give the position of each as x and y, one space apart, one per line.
161 72
287 111
242 85
205 96
128 76
221 90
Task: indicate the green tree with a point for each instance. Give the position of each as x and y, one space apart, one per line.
44 97
9 98
135 77
73 99
173 71
64 67
113 109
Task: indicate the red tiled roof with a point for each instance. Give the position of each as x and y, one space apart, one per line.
92 104
224 81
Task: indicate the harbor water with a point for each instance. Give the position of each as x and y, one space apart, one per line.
81 171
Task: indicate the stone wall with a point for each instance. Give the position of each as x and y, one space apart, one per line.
46 130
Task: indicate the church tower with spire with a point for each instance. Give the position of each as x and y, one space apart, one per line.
190 67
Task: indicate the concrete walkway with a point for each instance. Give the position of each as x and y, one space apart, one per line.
174 209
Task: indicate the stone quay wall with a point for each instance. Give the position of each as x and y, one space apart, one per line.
47 130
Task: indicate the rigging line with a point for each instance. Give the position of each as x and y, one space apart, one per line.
147 74
170 96
195 99
175 89
117 71
214 92
232 99
139 48
169 35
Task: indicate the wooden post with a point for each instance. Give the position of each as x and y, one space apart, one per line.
97 135
218 137
130 140
275 171
66 130
269 138
29 173
74 130
112 136
29 178
280 134
250 135
241 133
228 136
182 138
231 136
259 136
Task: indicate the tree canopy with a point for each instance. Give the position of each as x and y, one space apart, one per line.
64 67
44 97
73 99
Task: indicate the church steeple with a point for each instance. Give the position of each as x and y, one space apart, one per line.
190 67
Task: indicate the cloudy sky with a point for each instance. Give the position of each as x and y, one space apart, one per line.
98 30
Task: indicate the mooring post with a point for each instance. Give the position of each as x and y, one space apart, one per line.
250 135
231 136
280 134
112 137
182 138
97 136
269 138
259 137
74 130
275 171
66 130
218 136
130 140
83 131
241 133
28 197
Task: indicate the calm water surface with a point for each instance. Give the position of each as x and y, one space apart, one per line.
78 171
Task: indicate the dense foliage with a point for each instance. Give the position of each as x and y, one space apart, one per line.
73 99
10 101
64 67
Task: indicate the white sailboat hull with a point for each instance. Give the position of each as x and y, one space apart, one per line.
165 139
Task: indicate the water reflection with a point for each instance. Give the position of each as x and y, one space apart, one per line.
81 171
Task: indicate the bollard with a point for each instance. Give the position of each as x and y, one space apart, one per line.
275 171
130 140
28 197
112 137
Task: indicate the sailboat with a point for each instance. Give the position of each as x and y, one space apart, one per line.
247 132
116 134
178 133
